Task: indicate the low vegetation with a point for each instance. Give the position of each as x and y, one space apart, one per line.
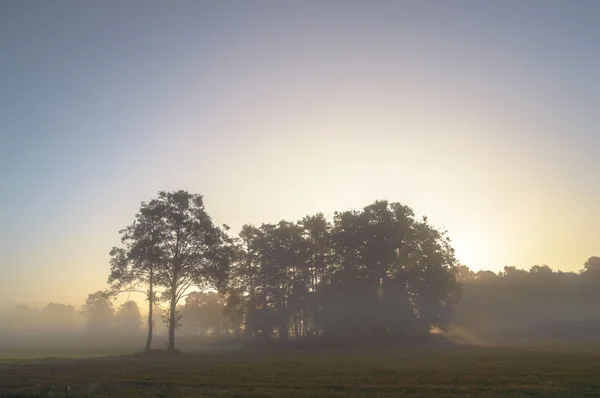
432 370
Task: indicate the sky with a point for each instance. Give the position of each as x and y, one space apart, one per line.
481 115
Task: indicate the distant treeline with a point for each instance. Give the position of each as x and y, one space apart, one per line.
203 314
519 305
96 317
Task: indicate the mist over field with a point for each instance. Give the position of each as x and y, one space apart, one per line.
515 307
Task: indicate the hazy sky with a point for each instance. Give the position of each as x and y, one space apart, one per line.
482 115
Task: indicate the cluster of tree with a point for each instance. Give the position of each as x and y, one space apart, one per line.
517 305
371 273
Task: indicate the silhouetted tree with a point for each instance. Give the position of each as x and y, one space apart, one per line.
189 249
372 273
135 268
317 235
243 289
234 310
484 275
542 270
464 274
592 265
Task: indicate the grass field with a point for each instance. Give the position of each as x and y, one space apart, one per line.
384 371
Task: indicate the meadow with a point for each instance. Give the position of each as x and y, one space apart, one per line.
420 370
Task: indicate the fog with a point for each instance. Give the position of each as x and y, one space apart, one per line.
511 307
538 305
61 329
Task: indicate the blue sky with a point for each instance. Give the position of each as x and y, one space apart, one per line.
482 115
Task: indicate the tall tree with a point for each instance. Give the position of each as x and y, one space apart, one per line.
192 251
317 236
592 265
433 271
135 267
243 285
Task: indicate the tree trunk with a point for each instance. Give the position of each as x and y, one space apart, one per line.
250 319
284 331
284 326
150 310
305 324
316 316
172 322
296 325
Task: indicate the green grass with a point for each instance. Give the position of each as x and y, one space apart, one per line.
383 371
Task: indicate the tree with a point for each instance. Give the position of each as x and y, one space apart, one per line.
128 318
485 275
317 235
245 277
186 248
282 261
234 309
542 270
464 274
514 272
434 278
373 290
135 268
99 311
592 265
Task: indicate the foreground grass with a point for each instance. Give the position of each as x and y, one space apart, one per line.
440 371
